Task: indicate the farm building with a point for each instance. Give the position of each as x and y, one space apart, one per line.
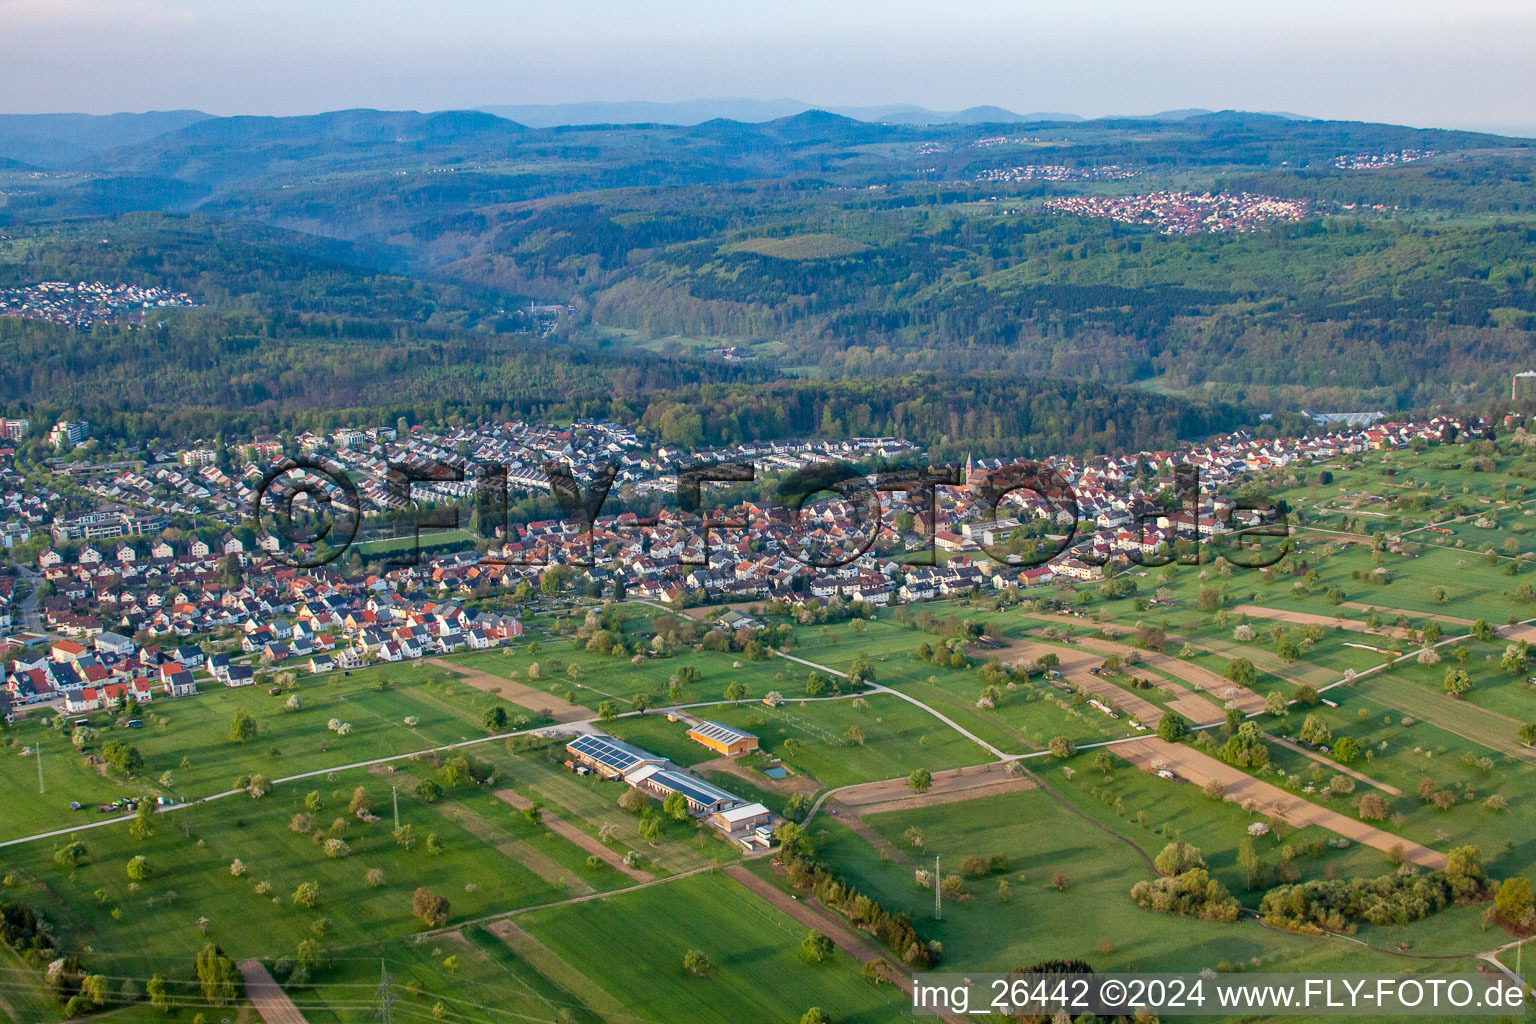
660 778
741 819
723 738
702 797
608 757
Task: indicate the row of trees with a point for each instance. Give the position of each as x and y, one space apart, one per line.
894 930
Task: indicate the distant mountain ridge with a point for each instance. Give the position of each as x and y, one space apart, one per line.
224 148
754 111
1200 113
394 179
55 141
62 140
750 111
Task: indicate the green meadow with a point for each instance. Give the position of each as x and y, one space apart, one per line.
632 945
1092 918
190 738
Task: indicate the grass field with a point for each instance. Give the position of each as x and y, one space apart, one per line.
1406 745
428 541
632 945
814 737
487 982
1023 722
669 739
98 908
607 677
1171 809
591 803
189 737
1494 692
1093 919
492 860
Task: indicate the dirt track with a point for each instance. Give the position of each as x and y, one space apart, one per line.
548 963
1297 673
870 835
514 849
1526 633
1077 660
1217 687
271 1002
1395 612
787 786
521 694
1202 679
851 805
1148 753
1467 720
948 787
1309 619
1075 664
568 831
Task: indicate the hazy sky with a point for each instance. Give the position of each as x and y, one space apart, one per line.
1455 63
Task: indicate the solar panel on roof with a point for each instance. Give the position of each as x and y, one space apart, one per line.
695 789
720 732
610 752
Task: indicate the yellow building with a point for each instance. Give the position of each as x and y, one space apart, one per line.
723 738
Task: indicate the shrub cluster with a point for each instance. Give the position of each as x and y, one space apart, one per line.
1186 887
1339 905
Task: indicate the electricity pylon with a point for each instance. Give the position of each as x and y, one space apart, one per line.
384 998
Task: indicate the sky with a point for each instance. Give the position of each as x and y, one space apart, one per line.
1454 63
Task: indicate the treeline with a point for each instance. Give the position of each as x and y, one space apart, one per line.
205 373
1489 184
894 930
215 983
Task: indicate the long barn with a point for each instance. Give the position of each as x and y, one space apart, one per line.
723 739
609 757
702 797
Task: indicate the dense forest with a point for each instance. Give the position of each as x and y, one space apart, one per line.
198 373
813 275
1357 307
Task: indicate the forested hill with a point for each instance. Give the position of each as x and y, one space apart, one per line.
816 262
361 174
292 336
64 140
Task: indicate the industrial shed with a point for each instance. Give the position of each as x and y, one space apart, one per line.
702 797
741 819
609 757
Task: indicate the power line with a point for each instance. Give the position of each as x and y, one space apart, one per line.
384 998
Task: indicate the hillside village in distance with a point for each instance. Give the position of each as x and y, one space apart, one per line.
129 598
83 303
